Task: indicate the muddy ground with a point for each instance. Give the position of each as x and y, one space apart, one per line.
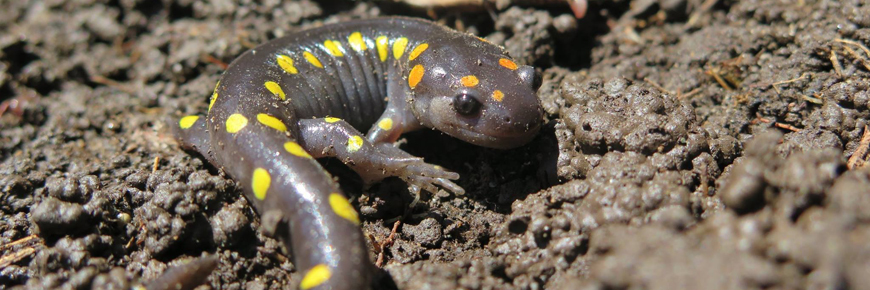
691 144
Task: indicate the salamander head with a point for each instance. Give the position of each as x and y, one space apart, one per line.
482 98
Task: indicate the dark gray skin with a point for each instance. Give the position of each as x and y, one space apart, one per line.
361 87
185 277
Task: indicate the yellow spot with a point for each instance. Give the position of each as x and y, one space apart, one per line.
297 150
312 59
272 122
382 43
275 89
386 124
286 63
482 39
342 208
356 41
333 47
315 276
399 47
418 50
415 76
331 119
354 143
213 96
236 122
509 64
187 121
497 95
469 81
260 182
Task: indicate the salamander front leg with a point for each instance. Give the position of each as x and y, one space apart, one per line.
333 137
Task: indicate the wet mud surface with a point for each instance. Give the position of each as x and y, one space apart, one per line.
690 145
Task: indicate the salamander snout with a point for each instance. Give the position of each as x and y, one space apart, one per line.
517 125
524 124
516 118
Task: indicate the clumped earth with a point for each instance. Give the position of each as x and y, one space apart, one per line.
691 144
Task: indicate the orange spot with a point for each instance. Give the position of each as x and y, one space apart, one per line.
509 64
415 76
469 81
418 50
497 96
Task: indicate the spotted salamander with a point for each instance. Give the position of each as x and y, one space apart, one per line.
308 95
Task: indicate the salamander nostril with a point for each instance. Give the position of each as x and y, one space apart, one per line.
507 119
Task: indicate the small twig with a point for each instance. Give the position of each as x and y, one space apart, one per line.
861 46
689 94
719 79
836 62
656 85
864 60
18 242
15 257
212 59
156 163
760 119
774 85
705 187
814 100
857 56
111 83
386 243
787 126
852 52
142 229
857 159
129 243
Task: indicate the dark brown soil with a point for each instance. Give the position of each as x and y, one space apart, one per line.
691 145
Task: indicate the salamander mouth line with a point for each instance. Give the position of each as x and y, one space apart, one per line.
492 140
532 130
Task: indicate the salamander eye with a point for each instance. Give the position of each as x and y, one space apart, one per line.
466 104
